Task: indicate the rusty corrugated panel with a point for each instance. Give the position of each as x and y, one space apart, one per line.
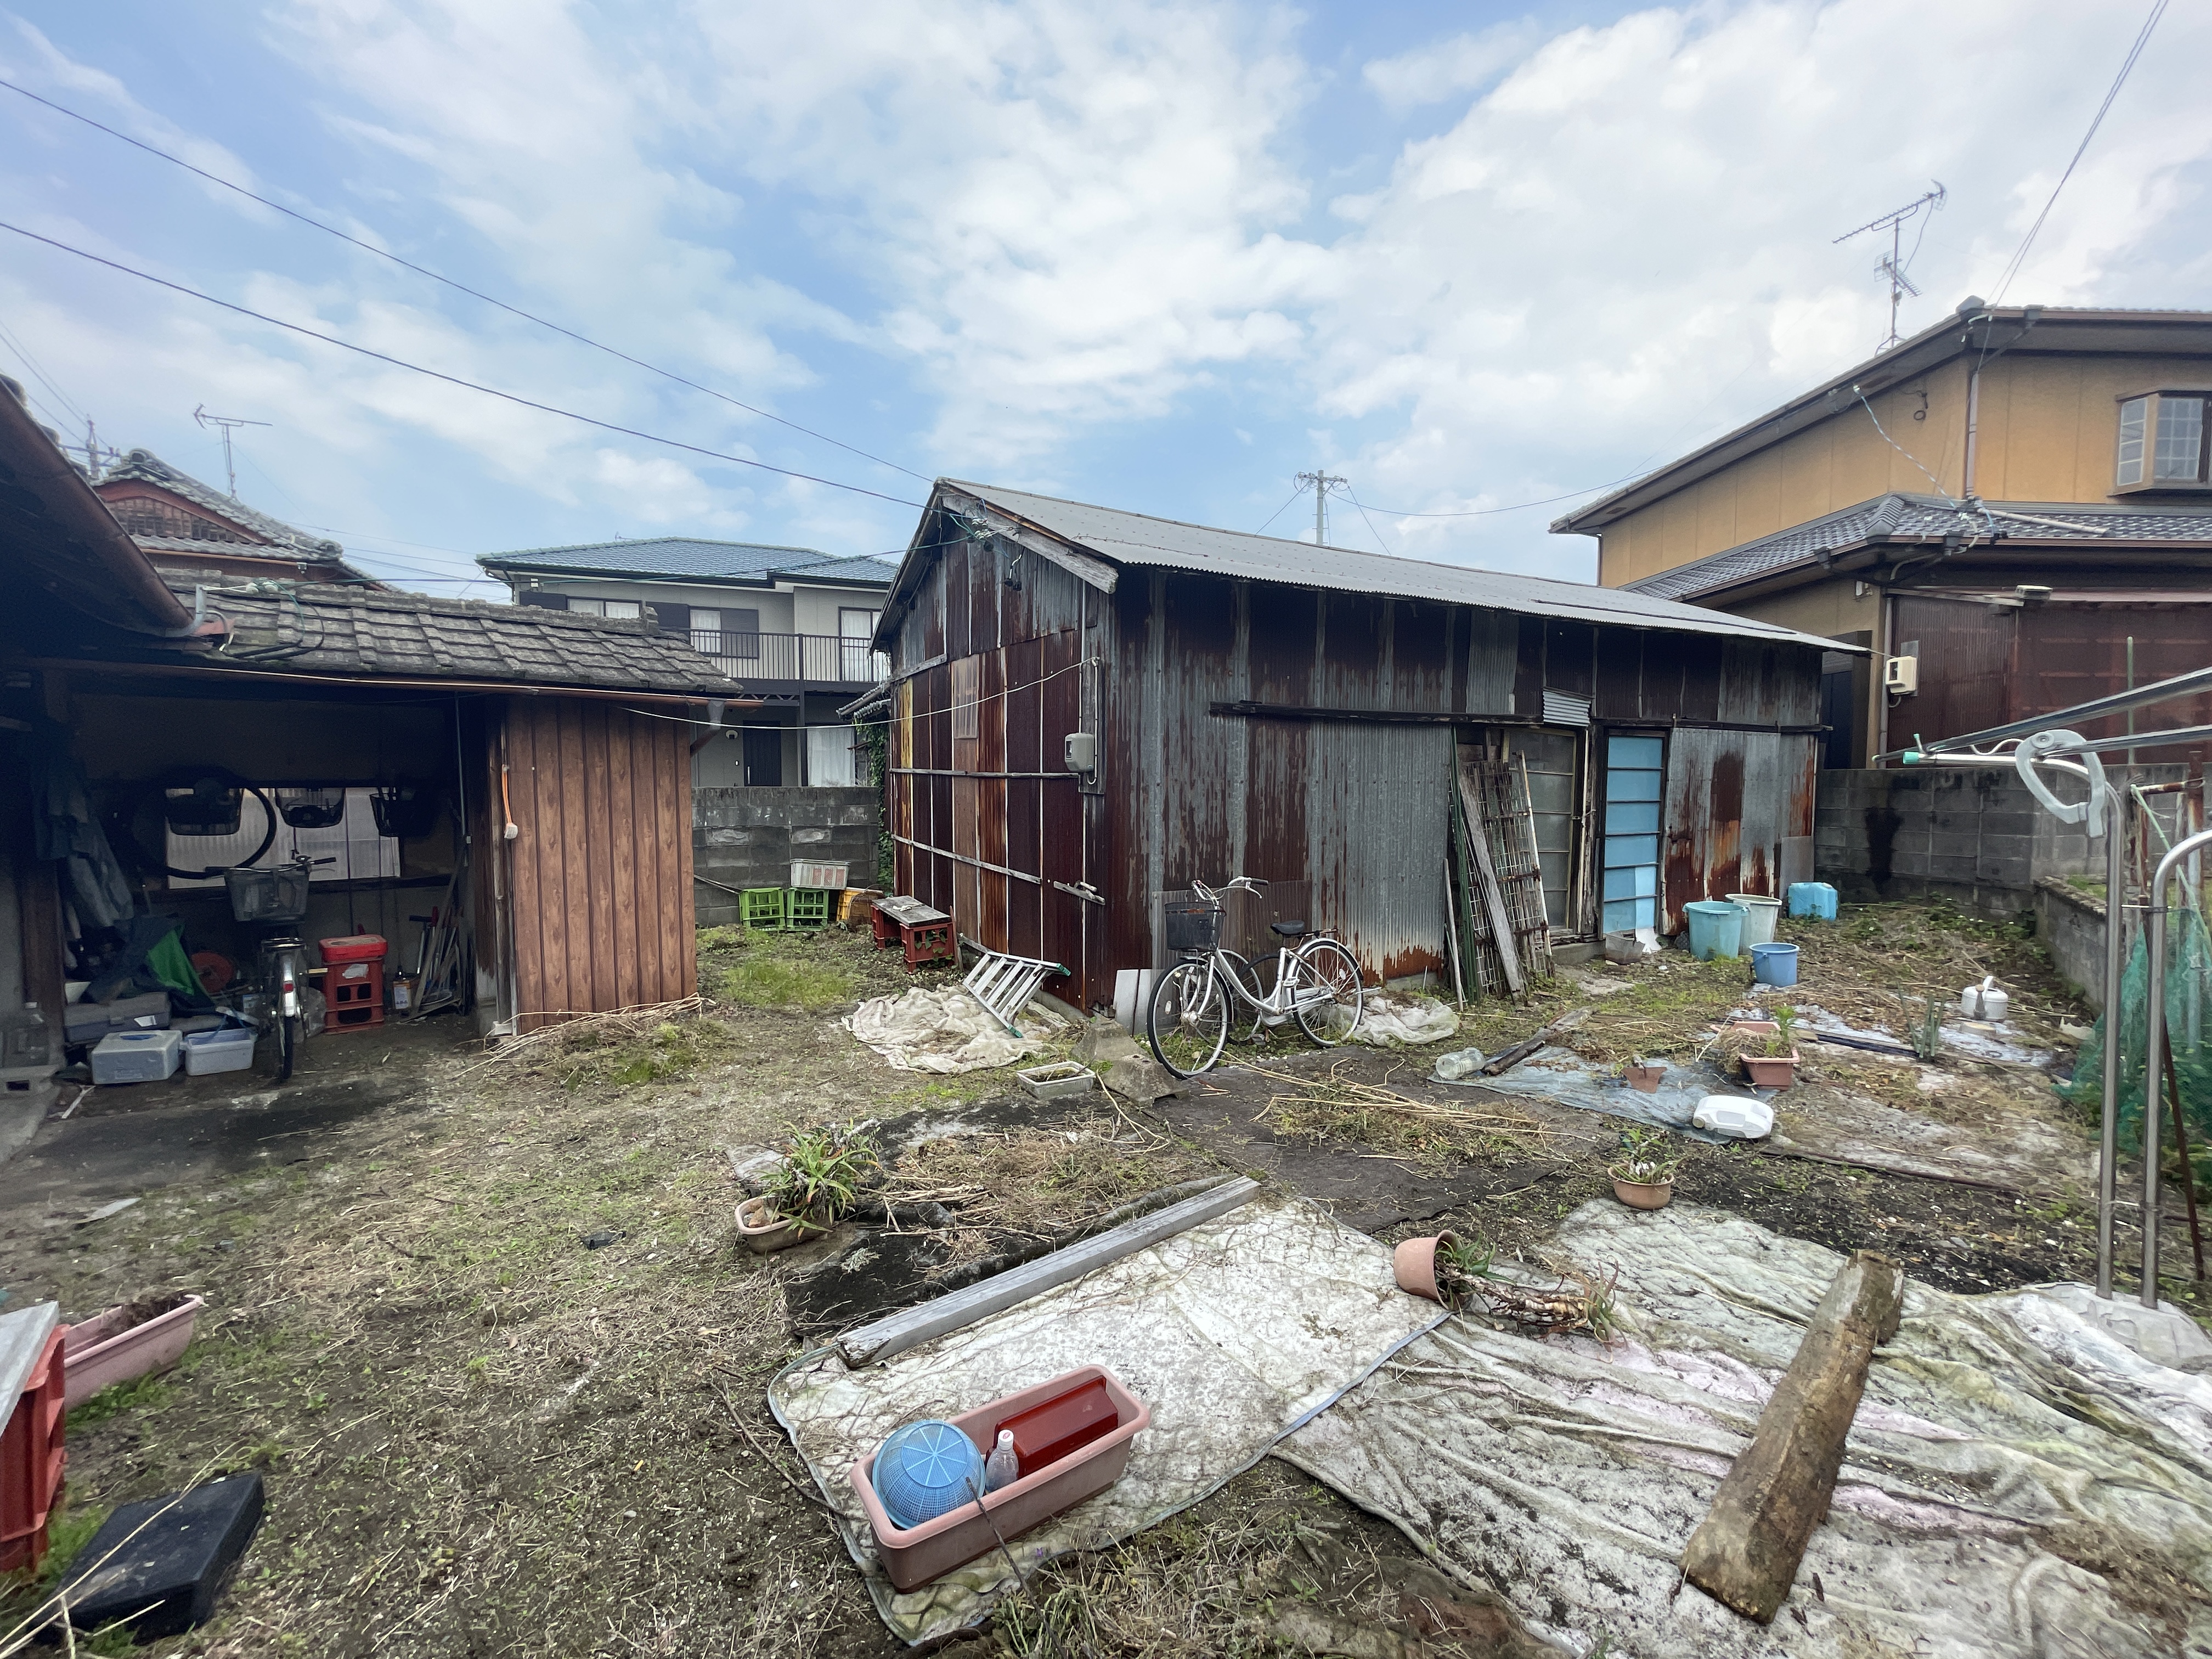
1196 662
1377 820
1493 658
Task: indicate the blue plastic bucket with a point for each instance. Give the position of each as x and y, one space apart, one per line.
1774 964
926 1470
1816 899
1716 928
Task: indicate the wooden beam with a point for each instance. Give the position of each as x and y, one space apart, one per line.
1248 709
1493 896
1745 1554
910 1327
1084 566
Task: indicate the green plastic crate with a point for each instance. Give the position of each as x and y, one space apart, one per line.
761 906
810 908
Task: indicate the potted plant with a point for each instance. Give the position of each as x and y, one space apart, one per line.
1643 1075
812 1190
1444 1268
1776 1066
133 1340
1643 1179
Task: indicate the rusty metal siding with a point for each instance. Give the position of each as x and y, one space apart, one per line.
1374 850
1739 816
1493 662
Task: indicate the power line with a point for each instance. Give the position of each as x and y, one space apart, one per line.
1369 523
451 379
2143 39
462 288
1278 513
1484 512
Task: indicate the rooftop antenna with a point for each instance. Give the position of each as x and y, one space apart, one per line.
1321 482
228 423
1893 266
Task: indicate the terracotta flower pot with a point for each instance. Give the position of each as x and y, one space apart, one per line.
1771 1072
1644 1078
122 1344
1415 1262
763 1229
1642 1194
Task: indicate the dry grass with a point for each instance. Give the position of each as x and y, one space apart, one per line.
1335 1106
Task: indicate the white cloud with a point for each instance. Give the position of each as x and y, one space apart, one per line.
1430 74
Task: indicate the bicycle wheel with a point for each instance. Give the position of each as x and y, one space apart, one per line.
1188 1021
1327 994
1244 1018
287 1041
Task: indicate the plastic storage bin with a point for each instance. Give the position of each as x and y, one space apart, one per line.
1774 964
913 1556
1816 899
354 947
31 1452
24 1040
106 1349
227 1049
136 1056
1759 915
1716 928
806 874
808 909
89 1022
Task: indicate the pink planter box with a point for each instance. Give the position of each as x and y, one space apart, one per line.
108 1349
913 1556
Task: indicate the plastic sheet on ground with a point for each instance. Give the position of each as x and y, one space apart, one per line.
947 1030
1233 1333
1400 1022
1564 1077
2022 1479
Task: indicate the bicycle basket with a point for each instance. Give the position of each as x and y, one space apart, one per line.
405 812
267 895
311 809
1192 924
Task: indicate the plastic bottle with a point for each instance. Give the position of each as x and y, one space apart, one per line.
1001 1468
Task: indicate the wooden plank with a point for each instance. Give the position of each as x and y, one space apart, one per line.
1493 897
599 835
675 862
1746 1552
898 1332
631 918
535 787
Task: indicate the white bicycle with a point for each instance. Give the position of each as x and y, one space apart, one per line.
1214 993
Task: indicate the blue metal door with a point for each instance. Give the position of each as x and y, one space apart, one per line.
1634 774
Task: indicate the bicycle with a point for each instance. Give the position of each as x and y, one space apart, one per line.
1195 1002
276 896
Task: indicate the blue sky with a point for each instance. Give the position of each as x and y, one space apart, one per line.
1160 256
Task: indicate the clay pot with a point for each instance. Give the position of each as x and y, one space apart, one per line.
1644 1078
1415 1262
763 1229
1775 1072
1642 1194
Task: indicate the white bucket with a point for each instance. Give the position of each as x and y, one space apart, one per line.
1760 914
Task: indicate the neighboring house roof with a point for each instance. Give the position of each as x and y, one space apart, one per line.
694 558
324 629
1903 518
143 466
1973 327
1134 539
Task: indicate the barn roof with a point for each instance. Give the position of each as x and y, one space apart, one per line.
695 558
1135 540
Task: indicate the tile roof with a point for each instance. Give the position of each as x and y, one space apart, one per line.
695 557
145 466
1133 539
1926 518
358 632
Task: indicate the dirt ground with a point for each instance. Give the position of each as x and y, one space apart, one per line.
483 1325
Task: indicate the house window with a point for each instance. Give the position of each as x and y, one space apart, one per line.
614 609
726 633
2163 442
856 664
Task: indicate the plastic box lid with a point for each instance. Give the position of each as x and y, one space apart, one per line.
354 947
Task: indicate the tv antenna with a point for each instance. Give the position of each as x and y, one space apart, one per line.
1893 266
228 423
1321 482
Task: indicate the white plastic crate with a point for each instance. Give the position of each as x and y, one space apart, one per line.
805 874
229 1048
136 1056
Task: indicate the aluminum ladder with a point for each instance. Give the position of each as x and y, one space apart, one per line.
1004 984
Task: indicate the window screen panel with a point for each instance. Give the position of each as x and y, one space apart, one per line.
2133 414
2180 453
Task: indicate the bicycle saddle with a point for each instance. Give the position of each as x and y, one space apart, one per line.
1287 929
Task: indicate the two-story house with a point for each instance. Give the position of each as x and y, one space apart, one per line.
791 624
2012 510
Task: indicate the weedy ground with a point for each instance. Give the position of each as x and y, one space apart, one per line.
484 1433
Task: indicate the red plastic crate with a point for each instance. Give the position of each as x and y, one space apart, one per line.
353 993
354 947
887 928
31 1459
928 941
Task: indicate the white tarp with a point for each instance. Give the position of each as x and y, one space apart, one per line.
947 1032
2022 1479
1232 1333
1389 1021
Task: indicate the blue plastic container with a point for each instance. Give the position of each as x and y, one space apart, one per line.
926 1470
1816 899
1716 928
1774 964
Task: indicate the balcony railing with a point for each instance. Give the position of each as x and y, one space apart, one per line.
815 658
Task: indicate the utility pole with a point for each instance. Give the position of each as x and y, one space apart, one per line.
1893 266
96 454
1321 482
228 423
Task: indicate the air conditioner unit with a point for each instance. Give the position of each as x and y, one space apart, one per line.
1901 675
1080 752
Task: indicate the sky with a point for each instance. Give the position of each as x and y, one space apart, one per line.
1481 261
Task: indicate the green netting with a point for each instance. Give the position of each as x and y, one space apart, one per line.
2189 1028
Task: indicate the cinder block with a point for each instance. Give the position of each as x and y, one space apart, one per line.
1951 866
728 837
1944 843
810 835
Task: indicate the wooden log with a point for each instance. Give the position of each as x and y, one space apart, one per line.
1745 1554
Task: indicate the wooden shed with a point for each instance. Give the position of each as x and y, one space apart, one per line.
1091 707
547 756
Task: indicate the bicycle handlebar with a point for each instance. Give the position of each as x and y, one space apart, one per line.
1235 885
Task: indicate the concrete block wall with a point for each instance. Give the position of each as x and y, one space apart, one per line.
748 837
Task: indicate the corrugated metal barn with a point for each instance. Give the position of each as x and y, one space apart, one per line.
1304 715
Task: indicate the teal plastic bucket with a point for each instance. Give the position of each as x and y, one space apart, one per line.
1716 928
1816 899
1774 964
